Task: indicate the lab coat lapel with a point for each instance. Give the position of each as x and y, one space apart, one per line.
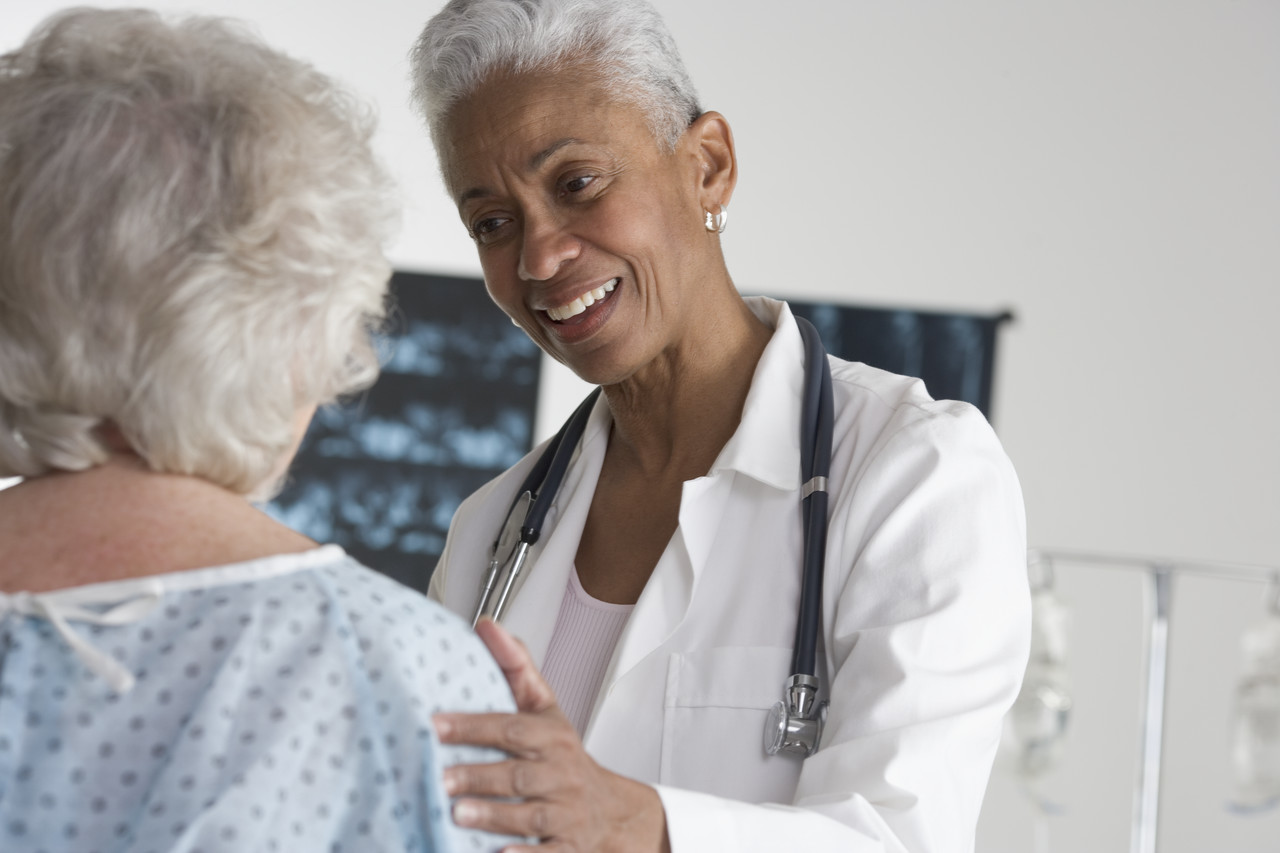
665 601
702 509
536 602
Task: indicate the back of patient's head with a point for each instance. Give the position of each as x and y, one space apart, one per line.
191 231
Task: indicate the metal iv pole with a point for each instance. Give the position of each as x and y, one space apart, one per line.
1160 574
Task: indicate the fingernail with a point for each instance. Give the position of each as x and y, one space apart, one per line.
444 728
450 782
465 813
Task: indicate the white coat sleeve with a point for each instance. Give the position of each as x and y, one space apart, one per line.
927 630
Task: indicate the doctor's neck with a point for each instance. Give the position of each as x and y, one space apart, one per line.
679 411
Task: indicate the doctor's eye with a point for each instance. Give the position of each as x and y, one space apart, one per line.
576 184
488 229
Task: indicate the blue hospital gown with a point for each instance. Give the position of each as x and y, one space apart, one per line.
280 704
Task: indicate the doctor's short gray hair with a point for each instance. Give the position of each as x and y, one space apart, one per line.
191 233
624 41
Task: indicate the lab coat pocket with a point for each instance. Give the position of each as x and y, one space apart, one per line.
717 703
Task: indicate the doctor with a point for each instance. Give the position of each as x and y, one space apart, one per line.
657 613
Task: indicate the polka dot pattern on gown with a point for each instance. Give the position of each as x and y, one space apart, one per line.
291 712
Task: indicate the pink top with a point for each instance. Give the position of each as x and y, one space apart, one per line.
581 646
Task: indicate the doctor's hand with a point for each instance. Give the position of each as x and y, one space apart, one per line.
567 800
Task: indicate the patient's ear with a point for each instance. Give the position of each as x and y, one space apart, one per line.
112 438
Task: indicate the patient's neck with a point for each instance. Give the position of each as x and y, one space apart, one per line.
120 520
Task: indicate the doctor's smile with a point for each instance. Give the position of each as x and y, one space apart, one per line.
572 319
564 313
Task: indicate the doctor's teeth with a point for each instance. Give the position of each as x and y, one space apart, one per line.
564 312
583 302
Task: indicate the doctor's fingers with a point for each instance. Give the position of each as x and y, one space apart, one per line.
524 735
530 689
591 813
547 821
523 778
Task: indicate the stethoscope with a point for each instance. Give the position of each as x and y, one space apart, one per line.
795 724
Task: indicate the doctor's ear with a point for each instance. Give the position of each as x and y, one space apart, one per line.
711 140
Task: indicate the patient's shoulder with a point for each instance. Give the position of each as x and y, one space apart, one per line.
430 654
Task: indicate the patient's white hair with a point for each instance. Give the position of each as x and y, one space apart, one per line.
624 41
191 232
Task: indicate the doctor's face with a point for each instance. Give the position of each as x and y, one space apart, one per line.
589 232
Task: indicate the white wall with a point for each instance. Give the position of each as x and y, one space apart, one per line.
1105 168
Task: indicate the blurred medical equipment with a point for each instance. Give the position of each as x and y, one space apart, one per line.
1039 717
1036 726
1256 741
1255 733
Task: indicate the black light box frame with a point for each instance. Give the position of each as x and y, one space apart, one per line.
954 353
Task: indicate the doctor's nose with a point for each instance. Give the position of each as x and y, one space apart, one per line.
547 246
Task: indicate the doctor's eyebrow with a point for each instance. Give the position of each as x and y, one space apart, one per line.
536 162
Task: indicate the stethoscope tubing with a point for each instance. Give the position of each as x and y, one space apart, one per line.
817 428
548 484
541 485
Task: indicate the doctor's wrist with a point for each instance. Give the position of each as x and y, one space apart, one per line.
654 817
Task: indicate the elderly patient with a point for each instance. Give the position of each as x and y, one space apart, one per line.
190 263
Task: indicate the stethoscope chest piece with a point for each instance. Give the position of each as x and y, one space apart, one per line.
795 723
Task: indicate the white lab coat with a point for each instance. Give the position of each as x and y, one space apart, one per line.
925 618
